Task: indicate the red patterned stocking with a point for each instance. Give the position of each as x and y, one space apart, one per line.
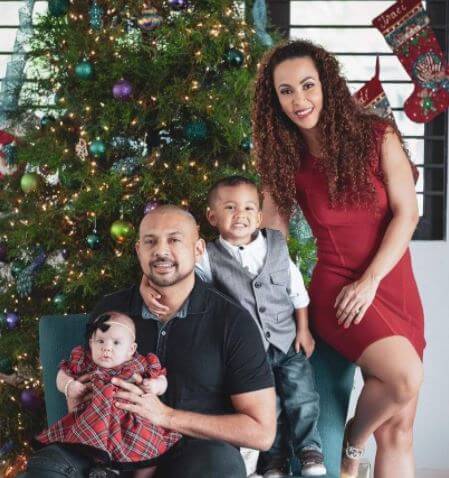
406 28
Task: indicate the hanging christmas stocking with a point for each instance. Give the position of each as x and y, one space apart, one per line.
373 98
406 28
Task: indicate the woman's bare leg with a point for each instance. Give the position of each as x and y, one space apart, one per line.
393 375
394 439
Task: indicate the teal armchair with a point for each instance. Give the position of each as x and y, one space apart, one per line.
334 377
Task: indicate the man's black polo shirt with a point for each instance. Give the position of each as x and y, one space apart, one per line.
214 352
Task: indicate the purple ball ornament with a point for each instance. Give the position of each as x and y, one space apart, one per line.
150 206
178 4
12 320
3 252
30 400
122 90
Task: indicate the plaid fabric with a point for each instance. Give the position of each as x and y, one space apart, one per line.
124 436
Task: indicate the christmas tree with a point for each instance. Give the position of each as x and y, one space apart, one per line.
138 105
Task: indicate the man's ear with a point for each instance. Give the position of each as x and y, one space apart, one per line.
211 217
259 218
137 247
200 247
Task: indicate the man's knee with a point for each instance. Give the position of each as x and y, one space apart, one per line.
213 459
54 461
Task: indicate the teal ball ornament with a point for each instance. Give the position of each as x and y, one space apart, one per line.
16 268
29 182
6 366
59 301
246 144
97 148
196 131
58 8
84 70
93 241
235 57
149 20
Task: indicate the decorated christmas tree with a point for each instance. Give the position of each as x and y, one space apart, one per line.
133 105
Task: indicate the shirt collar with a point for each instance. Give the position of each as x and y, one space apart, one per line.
182 312
254 244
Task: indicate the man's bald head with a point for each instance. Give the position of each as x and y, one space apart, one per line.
173 211
169 245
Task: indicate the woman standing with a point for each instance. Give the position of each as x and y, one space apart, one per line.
349 173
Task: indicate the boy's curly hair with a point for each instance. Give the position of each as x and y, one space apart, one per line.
346 130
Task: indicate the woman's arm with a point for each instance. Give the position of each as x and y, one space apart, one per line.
403 204
271 217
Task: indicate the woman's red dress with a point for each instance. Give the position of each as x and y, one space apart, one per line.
347 241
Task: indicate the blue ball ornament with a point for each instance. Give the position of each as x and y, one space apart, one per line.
97 148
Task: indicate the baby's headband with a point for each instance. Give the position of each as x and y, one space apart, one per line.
102 322
133 335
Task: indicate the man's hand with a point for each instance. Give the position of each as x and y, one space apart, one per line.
305 341
147 405
79 391
151 298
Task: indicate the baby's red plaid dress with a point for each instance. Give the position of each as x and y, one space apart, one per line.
124 436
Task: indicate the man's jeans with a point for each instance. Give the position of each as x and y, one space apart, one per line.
191 458
298 406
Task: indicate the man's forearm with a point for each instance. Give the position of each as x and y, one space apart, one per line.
238 429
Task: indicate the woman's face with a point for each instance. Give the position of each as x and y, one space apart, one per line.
299 91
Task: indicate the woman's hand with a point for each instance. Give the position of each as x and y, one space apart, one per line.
147 405
354 299
151 298
78 391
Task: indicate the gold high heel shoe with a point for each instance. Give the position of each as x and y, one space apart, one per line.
349 452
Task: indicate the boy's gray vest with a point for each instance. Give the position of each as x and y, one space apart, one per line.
265 296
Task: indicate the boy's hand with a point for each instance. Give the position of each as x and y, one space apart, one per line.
151 298
305 341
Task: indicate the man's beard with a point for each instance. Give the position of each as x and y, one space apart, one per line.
162 281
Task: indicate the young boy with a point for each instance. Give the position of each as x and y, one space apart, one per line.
253 267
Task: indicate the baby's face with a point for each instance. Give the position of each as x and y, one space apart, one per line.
236 213
113 347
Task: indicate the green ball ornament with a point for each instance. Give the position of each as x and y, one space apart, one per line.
59 301
58 8
235 57
93 241
6 366
196 131
29 182
121 231
84 70
97 148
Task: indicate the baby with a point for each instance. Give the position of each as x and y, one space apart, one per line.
110 435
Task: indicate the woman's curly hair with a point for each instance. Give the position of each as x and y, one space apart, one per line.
346 130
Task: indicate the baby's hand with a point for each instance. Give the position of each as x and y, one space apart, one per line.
76 390
156 386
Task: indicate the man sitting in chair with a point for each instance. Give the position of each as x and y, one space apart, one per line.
220 389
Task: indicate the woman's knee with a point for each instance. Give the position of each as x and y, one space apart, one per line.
406 383
395 434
